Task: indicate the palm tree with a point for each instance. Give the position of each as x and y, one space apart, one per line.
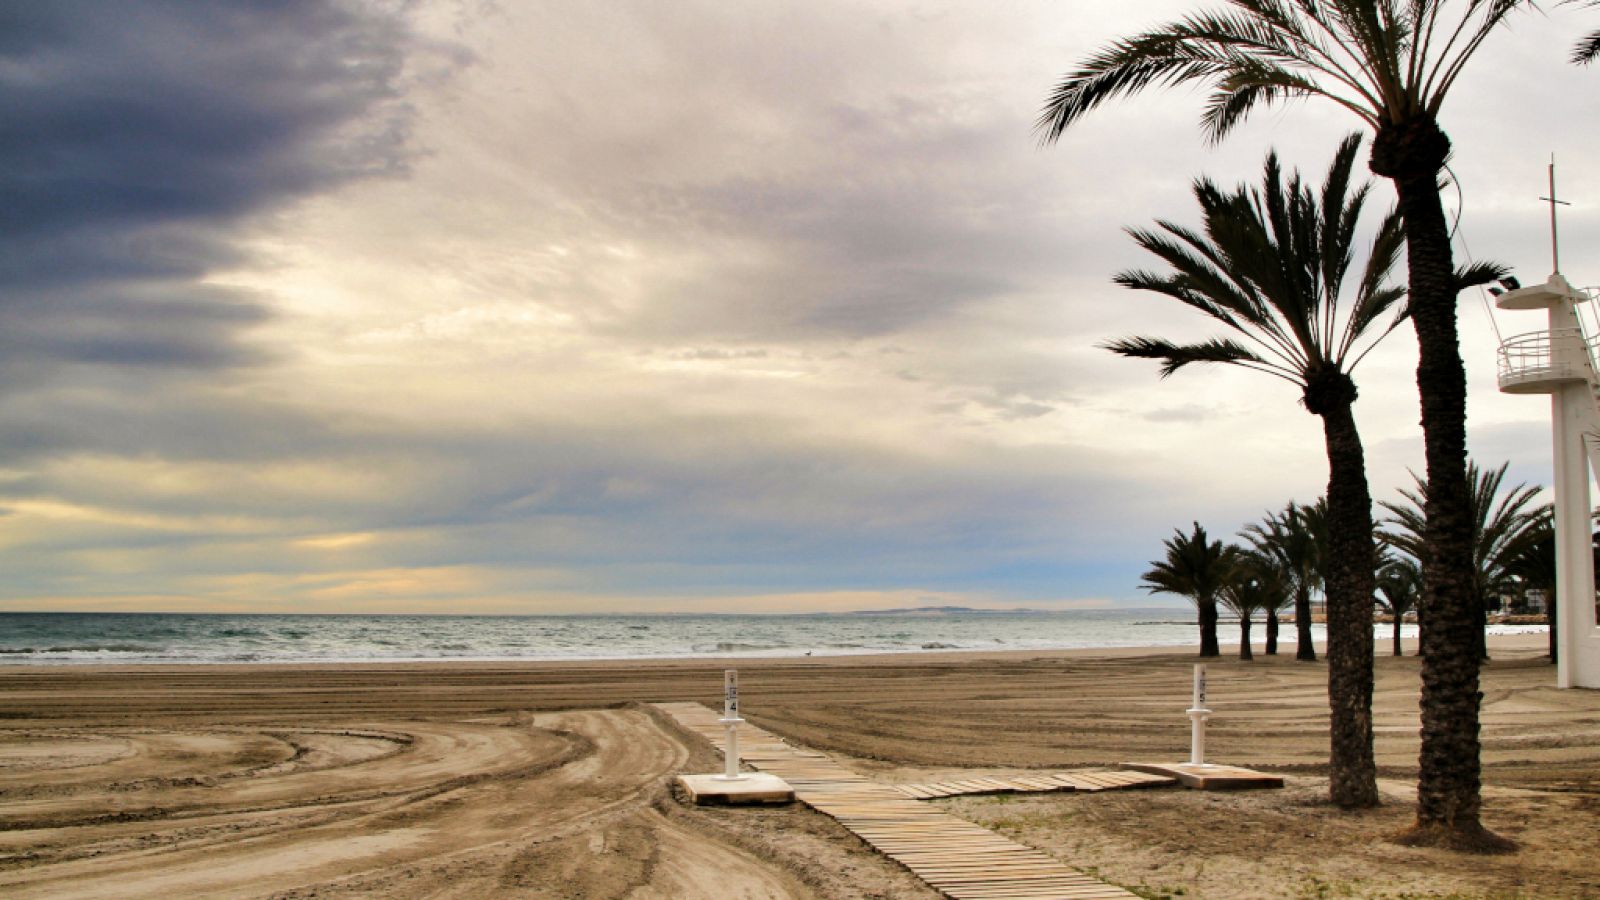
1391 64
1285 601
1535 570
1197 568
1271 265
1258 583
1500 533
1288 538
1399 587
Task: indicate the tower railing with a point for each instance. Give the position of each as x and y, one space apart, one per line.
1551 355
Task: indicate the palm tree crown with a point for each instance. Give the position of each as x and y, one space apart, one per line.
1271 265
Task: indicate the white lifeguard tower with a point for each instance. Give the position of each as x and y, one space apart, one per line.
1560 361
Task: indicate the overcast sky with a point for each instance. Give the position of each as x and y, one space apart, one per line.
636 306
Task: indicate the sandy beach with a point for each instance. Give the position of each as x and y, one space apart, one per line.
554 780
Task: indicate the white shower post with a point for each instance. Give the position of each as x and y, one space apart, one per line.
730 719
1197 718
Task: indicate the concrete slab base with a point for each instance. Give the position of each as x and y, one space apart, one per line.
754 787
1210 777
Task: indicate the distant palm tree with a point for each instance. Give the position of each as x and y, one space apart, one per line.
1197 568
1535 570
1288 537
1285 602
1258 583
1399 588
1500 532
1270 265
1390 64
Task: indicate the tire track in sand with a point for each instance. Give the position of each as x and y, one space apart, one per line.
465 808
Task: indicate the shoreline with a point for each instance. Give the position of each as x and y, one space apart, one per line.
1508 634
908 658
1520 645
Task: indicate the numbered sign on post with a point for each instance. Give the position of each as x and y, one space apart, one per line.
1197 718
730 685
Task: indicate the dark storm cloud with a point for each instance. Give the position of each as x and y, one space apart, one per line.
136 137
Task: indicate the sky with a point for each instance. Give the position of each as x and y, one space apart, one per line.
557 307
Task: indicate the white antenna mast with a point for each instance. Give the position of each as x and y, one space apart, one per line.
1555 248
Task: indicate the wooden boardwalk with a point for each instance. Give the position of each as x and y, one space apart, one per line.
1086 780
961 860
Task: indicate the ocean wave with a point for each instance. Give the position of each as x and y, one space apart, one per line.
80 648
734 647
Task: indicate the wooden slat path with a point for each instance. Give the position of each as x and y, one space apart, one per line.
1036 782
958 858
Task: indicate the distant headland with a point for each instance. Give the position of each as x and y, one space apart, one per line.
945 611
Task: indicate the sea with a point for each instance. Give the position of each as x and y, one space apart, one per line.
178 638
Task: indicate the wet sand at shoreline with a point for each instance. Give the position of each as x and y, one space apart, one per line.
553 779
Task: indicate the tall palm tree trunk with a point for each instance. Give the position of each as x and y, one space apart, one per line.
1351 578
1397 649
1208 627
1244 638
1412 154
1272 632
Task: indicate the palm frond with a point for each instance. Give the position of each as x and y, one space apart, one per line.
1482 18
1374 298
1209 275
1201 269
1372 29
1128 67
1505 523
1176 356
1250 85
1479 273
1341 211
1255 55
1585 51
